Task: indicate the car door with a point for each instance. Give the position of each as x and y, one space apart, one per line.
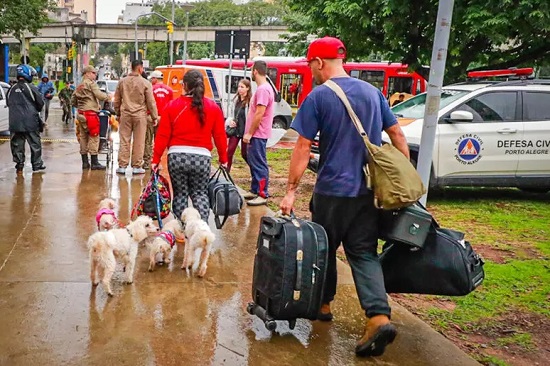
477 148
535 151
4 122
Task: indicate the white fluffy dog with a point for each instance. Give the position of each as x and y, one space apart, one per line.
163 243
106 217
106 247
198 244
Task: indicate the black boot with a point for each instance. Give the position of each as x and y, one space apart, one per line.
96 165
85 162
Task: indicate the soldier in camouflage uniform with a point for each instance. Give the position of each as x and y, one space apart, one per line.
65 100
85 98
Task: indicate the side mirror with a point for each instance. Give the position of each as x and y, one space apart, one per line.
460 116
103 89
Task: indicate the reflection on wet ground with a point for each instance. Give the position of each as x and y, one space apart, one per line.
51 315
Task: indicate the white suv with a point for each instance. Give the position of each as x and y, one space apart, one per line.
4 112
488 134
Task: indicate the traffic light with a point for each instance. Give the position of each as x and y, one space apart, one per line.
70 54
170 27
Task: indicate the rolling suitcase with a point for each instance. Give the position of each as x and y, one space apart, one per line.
289 270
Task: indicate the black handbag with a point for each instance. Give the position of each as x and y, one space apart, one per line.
230 131
225 199
445 265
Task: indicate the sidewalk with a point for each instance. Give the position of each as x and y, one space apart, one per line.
52 316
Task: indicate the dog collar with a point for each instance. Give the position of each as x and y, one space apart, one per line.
103 211
169 237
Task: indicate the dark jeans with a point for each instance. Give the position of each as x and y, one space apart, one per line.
353 221
232 144
259 170
17 143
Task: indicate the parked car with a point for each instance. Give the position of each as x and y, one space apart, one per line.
488 134
4 112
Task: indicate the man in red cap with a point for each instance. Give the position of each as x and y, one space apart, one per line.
341 202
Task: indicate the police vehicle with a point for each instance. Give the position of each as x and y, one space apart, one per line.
489 133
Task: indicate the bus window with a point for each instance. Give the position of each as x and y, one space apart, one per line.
272 73
376 78
234 83
400 85
291 88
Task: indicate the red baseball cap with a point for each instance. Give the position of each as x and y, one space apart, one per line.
326 48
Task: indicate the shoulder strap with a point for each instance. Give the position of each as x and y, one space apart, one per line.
30 91
356 121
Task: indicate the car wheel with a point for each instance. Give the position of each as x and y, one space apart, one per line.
278 122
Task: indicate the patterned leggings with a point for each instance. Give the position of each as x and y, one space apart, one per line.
189 174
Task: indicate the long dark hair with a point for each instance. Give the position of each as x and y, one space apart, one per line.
244 102
194 86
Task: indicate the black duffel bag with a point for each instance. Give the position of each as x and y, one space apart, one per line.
224 196
445 265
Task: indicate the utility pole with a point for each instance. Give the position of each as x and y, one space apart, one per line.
172 35
433 95
185 36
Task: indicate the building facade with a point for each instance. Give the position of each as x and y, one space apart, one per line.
80 6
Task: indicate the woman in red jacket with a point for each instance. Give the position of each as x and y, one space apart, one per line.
186 128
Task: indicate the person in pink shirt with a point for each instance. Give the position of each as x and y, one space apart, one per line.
257 131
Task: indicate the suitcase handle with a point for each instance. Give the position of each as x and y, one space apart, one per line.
299 263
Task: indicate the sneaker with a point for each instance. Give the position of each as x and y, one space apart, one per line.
121 170
138 171
258 201
39 169
249 195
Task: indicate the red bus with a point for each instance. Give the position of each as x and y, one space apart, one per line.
292 76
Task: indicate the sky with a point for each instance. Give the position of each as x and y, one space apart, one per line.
109 10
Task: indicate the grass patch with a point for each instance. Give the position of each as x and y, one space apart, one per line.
520 285
493 361
523 340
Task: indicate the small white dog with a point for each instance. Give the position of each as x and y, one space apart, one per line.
106 217
122 244
198 244
163 243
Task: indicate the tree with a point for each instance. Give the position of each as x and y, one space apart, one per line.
485 33
116 64
157 54
19 16
37 57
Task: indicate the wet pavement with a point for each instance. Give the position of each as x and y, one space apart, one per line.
51 315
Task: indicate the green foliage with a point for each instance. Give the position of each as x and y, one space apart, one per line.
108 48
157 54
222 12
523 340
488 33
517 285
18 16
116 64
198 50
37 56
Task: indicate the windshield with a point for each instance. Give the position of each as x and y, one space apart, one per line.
414 107
111 85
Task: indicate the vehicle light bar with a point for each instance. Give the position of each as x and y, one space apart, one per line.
526 71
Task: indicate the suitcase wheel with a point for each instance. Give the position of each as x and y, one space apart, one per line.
271 325
292 324
250 308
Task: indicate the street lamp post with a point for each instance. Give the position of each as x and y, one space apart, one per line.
136 28
185 37
172 36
